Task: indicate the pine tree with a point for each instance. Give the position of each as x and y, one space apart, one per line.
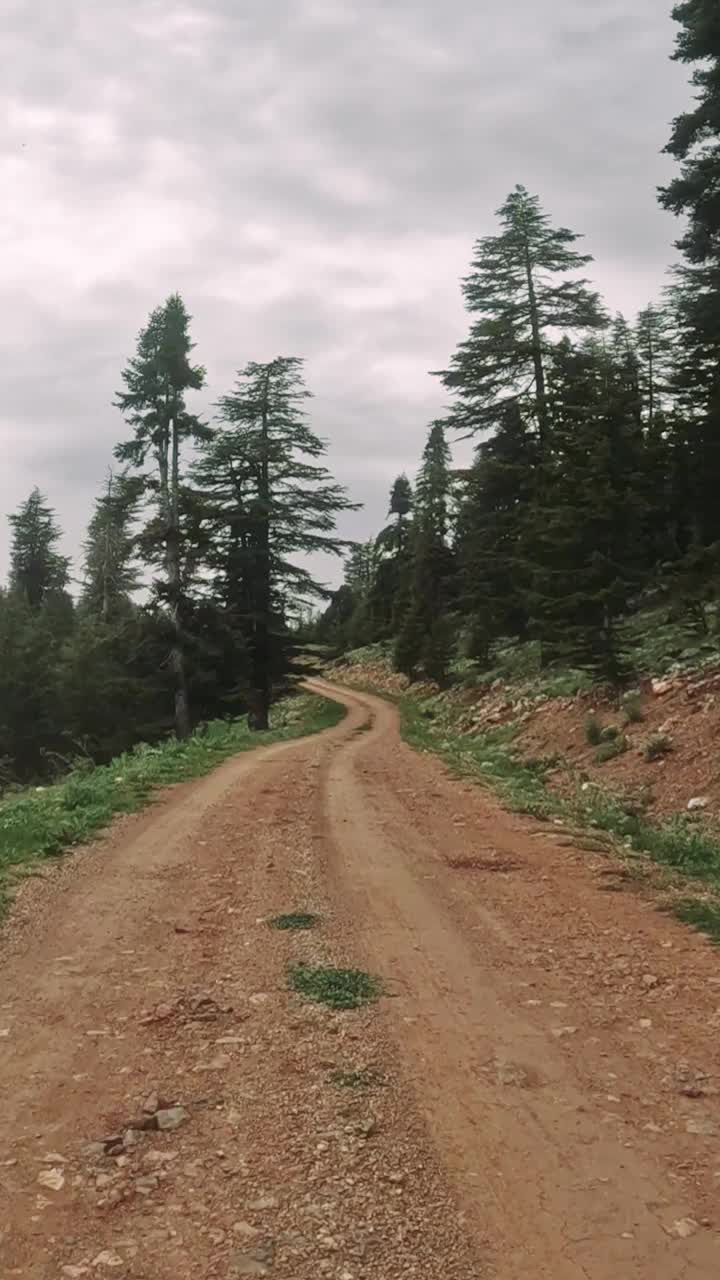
421 639
695 193
30 717
269 501
37 570
523 293
695 142
157 380
491 550
111 575
586 525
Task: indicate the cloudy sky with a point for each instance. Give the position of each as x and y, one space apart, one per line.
310 175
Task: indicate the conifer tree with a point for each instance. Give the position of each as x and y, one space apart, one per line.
423 637
491 550
695 193
111 575
522 293
37 570
269 500
586 524
157 379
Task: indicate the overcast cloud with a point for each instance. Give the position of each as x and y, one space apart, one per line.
310 175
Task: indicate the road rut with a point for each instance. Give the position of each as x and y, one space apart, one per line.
535 1096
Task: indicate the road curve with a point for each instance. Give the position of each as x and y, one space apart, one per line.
534 1097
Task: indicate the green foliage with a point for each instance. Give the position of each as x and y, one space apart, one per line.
44 821
522 289
337 988
703 916
609 749
366 1078
657 746
37 570
263 502
632 709
295 920
593 731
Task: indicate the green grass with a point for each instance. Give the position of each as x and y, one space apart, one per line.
364 1079
337 988
491 758
702 916
295 920
43 822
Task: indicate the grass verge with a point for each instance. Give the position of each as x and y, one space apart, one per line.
681 843
43 822
337 988
702 916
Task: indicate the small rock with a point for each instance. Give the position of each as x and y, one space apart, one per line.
171 1118
660 687
245 1230
259 998
147 1184
265 1202
649 981
151 1104
108 1258
645 1024
698 802
53 1179
703 1126
75 1273
682 1228
254 1261
561 1033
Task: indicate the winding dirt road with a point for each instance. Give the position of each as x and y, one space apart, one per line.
535 1098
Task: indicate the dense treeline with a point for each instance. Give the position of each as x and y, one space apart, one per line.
207 518
593 489
597 467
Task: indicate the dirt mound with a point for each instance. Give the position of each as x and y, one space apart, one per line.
680 721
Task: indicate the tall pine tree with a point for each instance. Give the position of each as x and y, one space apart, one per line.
157 380
37 570
523 292
270 502
424 637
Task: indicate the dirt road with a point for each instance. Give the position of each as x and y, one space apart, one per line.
534 1099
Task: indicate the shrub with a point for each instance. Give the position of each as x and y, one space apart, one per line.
659 745
611 748
632 706
593 731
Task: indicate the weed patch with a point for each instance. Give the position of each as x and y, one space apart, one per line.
295 920
614 746
364 1079
702 916
337 988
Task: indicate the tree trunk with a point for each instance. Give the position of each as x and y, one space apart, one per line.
259 717
177 652
540 388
